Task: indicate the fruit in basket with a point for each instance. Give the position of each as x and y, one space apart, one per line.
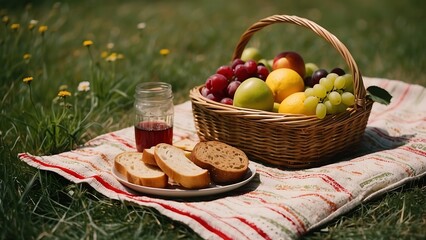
262 72
251 67
290 59
331 95
232 87
241 72
251 53
227 100
283 82
227 78
253 93
276 107
217 83
316 77
226 71
338 71
294 104
310 68
266 63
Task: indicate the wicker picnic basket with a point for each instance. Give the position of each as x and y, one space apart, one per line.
286 141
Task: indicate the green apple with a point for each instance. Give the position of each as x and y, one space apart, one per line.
310 68
255 94
251 53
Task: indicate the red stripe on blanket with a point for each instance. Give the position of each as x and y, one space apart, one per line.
118 191
218 218
122 141
252 225
413 150
66 170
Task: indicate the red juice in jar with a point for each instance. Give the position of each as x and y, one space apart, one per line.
151 133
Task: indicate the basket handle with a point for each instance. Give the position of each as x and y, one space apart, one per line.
359 89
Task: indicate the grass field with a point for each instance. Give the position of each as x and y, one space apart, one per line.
386 38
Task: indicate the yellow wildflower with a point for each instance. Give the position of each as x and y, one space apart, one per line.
87 43
15 26
63 87
42 29
164 51
112 57
64 94
104 54
27 56
27 80
5 19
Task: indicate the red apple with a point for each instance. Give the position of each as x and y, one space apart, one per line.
291 60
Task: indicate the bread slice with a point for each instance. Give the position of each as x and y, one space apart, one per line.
185 144
225 163
129 164
148 156
177 166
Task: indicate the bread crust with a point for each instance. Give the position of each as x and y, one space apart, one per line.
225 163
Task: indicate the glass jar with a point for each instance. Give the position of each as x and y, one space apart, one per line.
153 114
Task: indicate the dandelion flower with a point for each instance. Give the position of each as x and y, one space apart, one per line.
141 25
27 80
32 24
5 19
104 54
164 51
87 43
83 86
27 56
42 29
15 26
64 94
112 57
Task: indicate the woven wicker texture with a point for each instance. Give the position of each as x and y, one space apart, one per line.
285 140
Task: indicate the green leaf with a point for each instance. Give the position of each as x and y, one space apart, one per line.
379 95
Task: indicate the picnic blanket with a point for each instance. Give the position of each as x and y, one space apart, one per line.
275 204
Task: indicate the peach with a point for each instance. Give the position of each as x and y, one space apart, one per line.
291 60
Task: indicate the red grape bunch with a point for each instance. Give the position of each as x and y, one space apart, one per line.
221 86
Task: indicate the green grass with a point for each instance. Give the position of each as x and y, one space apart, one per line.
386 39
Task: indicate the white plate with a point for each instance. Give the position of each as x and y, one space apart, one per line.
179 192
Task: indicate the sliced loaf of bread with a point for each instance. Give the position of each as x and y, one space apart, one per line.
130 165
148 156
185 144
225 163
177 166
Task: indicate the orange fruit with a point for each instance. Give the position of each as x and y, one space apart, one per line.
294 104
283 82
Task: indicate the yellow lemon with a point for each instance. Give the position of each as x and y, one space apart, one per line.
283 82
294 104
